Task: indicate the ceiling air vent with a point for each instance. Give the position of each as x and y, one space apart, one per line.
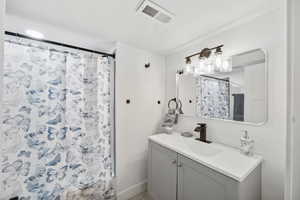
154 11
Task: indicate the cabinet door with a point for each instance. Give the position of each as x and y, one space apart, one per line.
197 182
162 175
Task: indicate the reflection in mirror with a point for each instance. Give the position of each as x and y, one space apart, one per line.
239 95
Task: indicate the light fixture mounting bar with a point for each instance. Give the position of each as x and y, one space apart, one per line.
204 52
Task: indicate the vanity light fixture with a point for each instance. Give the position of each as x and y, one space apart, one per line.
209 62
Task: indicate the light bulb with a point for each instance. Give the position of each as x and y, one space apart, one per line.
199 68
210 65
218 62
189 68
209 69
218 59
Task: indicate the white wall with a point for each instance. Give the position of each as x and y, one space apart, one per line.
267 32
186 92
58 34
2 14
137 120
293 165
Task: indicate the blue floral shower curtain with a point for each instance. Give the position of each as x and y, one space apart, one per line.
57 121
212 97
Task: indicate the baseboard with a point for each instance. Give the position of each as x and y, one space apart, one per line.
132 191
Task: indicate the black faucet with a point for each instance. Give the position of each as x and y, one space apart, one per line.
201 128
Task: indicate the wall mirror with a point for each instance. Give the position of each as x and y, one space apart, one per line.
239 95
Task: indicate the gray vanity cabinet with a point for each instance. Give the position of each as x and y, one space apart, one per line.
197 182
172 176
162 173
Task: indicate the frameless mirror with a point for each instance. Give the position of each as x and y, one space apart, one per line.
239 95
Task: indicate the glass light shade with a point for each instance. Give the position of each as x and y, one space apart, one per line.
218 61
189 68
197 71
210 69
199 67
227 67
210 65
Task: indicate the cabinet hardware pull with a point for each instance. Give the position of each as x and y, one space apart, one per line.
179 165
174 162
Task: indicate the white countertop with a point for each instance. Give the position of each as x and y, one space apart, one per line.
223 159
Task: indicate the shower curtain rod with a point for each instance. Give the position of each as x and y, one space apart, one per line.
58 43
220 79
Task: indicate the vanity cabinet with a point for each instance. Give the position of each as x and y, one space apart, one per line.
162 173
172 176
197 182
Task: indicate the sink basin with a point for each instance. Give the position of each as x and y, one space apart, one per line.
201 148
192 145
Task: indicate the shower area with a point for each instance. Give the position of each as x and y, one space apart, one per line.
213 97
57 138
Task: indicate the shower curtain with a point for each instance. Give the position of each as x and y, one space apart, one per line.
57 121
212 97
